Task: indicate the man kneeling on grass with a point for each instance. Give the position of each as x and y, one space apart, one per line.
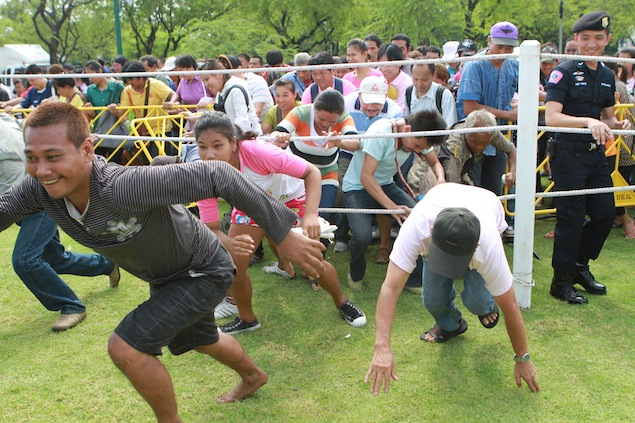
457 228
129 215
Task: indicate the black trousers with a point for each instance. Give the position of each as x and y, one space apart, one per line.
575 239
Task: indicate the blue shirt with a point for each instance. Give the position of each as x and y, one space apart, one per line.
362 121
299 84
485 83
35 97
381 149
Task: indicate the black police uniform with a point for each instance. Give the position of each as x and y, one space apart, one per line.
577 162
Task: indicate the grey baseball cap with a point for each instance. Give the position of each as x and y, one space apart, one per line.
455 236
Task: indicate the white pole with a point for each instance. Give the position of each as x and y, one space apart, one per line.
526 170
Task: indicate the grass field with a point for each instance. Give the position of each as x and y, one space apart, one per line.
584 355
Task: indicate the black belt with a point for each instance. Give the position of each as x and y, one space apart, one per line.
578 146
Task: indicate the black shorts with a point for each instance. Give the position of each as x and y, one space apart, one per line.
180 313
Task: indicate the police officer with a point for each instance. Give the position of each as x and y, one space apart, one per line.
581 95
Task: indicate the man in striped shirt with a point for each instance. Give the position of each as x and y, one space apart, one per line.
133 216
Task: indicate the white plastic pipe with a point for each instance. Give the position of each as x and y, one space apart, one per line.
526 171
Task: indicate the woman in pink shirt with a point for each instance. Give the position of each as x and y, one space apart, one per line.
288 178
398 80
357 52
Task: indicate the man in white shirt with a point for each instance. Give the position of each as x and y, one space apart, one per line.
425 95
457 229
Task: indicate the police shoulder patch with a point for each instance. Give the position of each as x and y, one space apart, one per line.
555 77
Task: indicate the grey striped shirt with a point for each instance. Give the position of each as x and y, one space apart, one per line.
135 217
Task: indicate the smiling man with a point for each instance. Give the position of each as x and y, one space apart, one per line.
581 95
120 211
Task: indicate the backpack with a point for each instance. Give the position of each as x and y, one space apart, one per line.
219 106
339 86
438 97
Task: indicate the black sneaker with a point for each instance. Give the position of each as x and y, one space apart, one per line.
353 315
239 325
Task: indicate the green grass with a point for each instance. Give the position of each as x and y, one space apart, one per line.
584 355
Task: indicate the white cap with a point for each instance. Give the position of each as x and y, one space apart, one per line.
170 64
373 90
449 49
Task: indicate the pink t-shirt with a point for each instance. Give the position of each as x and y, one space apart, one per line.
273 169
350 77
347 88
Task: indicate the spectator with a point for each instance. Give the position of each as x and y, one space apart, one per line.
425 94
152 65
103 92
256 87
490 85
244 60
571 47
42 89
627 68
403 42
397 80
191 89
324 79
357 52
373 43
433 52
69 92
143 91
286 101
301 79
231 95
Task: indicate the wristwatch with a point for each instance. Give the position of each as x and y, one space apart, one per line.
523 358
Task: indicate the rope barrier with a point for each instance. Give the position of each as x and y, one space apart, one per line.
554 194
405 62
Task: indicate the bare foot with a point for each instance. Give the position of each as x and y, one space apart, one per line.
550 234
247 386
629 228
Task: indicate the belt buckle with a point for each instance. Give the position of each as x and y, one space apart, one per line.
592 146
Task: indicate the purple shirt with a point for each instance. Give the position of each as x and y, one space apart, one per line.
192 91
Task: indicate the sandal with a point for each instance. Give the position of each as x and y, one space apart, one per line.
441 335
494 323
383 256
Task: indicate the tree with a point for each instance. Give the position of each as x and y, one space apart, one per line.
159 27
53 24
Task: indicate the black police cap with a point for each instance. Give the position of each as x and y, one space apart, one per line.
593 21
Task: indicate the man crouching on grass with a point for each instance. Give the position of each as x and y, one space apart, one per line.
129 216
457 228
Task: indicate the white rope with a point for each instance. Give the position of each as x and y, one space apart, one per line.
582 130
573 193
338 137
518 278
552 194
405 62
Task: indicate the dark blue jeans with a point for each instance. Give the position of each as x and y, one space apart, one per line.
360 224
38 258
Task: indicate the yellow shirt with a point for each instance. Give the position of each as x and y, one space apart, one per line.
158 94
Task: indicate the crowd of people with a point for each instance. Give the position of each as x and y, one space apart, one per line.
443 188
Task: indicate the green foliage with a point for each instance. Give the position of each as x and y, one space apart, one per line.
207 28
